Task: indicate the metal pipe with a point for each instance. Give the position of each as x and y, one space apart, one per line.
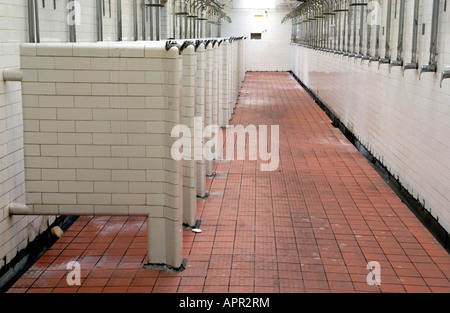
445 75
119 20
432 63
354 30
99 8
31 24
401 25
174 19
413 64
36 14
158 19
368 39
72 23
349 24
387 49
151 19
144 20
361 29
135 18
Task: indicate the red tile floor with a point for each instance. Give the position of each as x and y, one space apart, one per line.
311 226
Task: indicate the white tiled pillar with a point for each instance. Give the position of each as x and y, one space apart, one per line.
210 61
201 120
224 78
189 93
216 83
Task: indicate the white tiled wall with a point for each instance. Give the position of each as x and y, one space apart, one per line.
403 121
14 232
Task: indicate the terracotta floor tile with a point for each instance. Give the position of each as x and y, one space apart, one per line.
311 226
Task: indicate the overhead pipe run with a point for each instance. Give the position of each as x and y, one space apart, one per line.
197 18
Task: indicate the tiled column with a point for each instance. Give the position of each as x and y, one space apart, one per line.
209 98
224 93
189 164
200 121
216 85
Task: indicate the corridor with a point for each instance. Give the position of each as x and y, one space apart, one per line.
313 225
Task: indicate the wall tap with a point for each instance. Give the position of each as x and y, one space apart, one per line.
395 63
409 66
384 61
445 75
374 59
430 68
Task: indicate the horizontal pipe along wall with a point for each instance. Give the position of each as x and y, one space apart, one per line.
97 121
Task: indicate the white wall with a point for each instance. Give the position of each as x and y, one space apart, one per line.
273 52
403 121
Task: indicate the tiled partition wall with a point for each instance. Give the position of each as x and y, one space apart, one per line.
403 121
18 231
98 121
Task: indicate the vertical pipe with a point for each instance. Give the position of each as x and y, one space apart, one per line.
119 20
72 24
344 34
144 20
339 30
31 29
432 63
354 17
135 18
401 25
361 30
388 30
150 9
99 8
185 20
36 14
174 19
434 32
158 20
369 37
349 25
415 32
